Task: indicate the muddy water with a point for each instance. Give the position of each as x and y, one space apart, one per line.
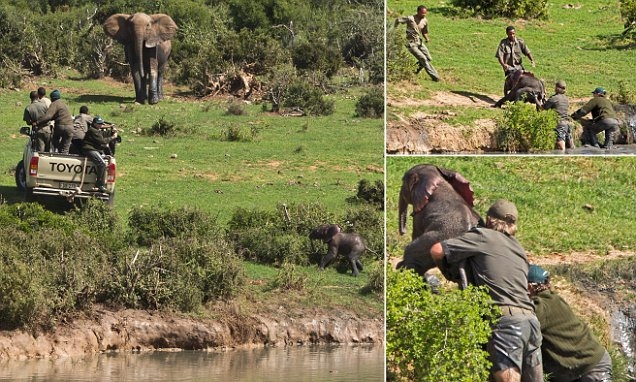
319 363
623 325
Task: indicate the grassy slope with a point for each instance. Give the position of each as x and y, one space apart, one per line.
577 45
292 160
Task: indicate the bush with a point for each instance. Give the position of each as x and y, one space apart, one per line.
178 273
523 129
288 278
426 333
150 224
371 104
308 98
514 9
317 56
372 193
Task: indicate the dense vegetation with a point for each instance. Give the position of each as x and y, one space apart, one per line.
180 259
291 50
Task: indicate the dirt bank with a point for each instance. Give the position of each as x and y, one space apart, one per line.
134 330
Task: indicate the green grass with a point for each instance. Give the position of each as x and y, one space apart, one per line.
291 160
326 288
550 193
581 46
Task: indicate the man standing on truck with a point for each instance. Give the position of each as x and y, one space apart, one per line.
80 127
94 145
63 130
32 113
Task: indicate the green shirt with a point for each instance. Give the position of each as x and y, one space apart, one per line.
495 260
600 107
414 26
569 347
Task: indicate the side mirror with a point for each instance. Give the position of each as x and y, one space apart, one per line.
25 130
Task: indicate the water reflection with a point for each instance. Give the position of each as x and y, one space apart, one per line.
318 363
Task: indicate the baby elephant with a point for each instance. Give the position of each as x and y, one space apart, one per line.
348 244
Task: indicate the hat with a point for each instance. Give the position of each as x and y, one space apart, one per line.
599 90
98 120
55 94
503 210
537 275
560 84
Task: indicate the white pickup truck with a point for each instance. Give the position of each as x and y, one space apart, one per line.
68 176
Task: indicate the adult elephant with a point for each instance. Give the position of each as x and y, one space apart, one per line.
442 202
349 244
146 40
520 84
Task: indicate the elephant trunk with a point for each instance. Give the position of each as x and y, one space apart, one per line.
403 207
140 34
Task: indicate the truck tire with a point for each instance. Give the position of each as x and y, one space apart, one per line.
20 182
20 176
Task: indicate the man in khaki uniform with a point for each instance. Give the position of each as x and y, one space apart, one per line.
416 25
511 50
32 113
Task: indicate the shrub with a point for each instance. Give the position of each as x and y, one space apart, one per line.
149 224
525 9
163 128
288 278
426 333
371 104
376 278
178 273
372 193
523 129
308 98
235 107
317 56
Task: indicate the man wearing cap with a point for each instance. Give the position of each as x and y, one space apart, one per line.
35 110
416 25
559 102
603 119
496 260
511 50
570 350
93 147
63 131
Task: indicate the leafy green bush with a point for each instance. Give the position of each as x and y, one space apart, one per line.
400 63
372 193
526 9
523 129
317 56
308 98
426 333
177 273
371 104
147 224
288 278
628 13
29 217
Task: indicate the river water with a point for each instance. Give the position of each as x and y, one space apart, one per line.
363 363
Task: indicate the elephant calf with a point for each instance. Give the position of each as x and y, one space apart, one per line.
442 203
349 244
521 83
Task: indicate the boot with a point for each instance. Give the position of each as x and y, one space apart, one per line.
591 138
608 140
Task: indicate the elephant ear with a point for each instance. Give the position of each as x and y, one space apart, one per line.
163 29
333 230
460 184
116 27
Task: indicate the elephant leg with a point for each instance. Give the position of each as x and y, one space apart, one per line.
359 264
153 91
354 267
140 87
326 259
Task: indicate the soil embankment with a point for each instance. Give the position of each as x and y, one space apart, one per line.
135 330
